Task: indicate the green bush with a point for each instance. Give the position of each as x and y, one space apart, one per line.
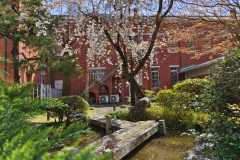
189 93
75 103
223 101
149 94
8 93
165 98
170 99
178 118
55 108
193 86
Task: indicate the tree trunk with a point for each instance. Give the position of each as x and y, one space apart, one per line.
139 91
66 84
15 60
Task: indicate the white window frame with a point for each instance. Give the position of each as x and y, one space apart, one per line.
43 78
174 71
99 73
207 40
155 69
170 44
190 49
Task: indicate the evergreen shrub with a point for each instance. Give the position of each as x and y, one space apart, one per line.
75 103
20 140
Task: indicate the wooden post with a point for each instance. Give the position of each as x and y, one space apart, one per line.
114 108
48 116
108 124
161 128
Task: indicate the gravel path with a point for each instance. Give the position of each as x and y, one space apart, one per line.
102 109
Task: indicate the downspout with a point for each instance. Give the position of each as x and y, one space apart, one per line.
180 57
149 76
5 76
180 61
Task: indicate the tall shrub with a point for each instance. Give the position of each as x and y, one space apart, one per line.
223 101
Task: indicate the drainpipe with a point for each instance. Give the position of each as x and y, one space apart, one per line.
180 57
180 61
5 76
149 75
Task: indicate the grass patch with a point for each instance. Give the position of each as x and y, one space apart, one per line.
41 119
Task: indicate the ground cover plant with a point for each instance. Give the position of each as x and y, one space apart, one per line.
20 140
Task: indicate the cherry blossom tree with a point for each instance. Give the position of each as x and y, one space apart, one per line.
119 22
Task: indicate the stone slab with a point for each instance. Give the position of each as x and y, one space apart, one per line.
128 135
124 140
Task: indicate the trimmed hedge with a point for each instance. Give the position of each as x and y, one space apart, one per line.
75 103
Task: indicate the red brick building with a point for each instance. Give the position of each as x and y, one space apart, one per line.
105 82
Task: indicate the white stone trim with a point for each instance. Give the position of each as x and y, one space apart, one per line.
172 51
94 68
155 66
173 66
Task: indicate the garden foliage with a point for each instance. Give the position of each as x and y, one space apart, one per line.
20 140
177 118
223 102
188 93
75 103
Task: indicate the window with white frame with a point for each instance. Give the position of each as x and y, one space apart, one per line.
190 45
155 78
42 77
207 40
97 74
171 43
173 75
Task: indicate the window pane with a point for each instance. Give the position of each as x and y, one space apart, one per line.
173 75
155 78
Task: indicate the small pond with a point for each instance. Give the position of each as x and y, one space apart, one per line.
85 139
171 147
